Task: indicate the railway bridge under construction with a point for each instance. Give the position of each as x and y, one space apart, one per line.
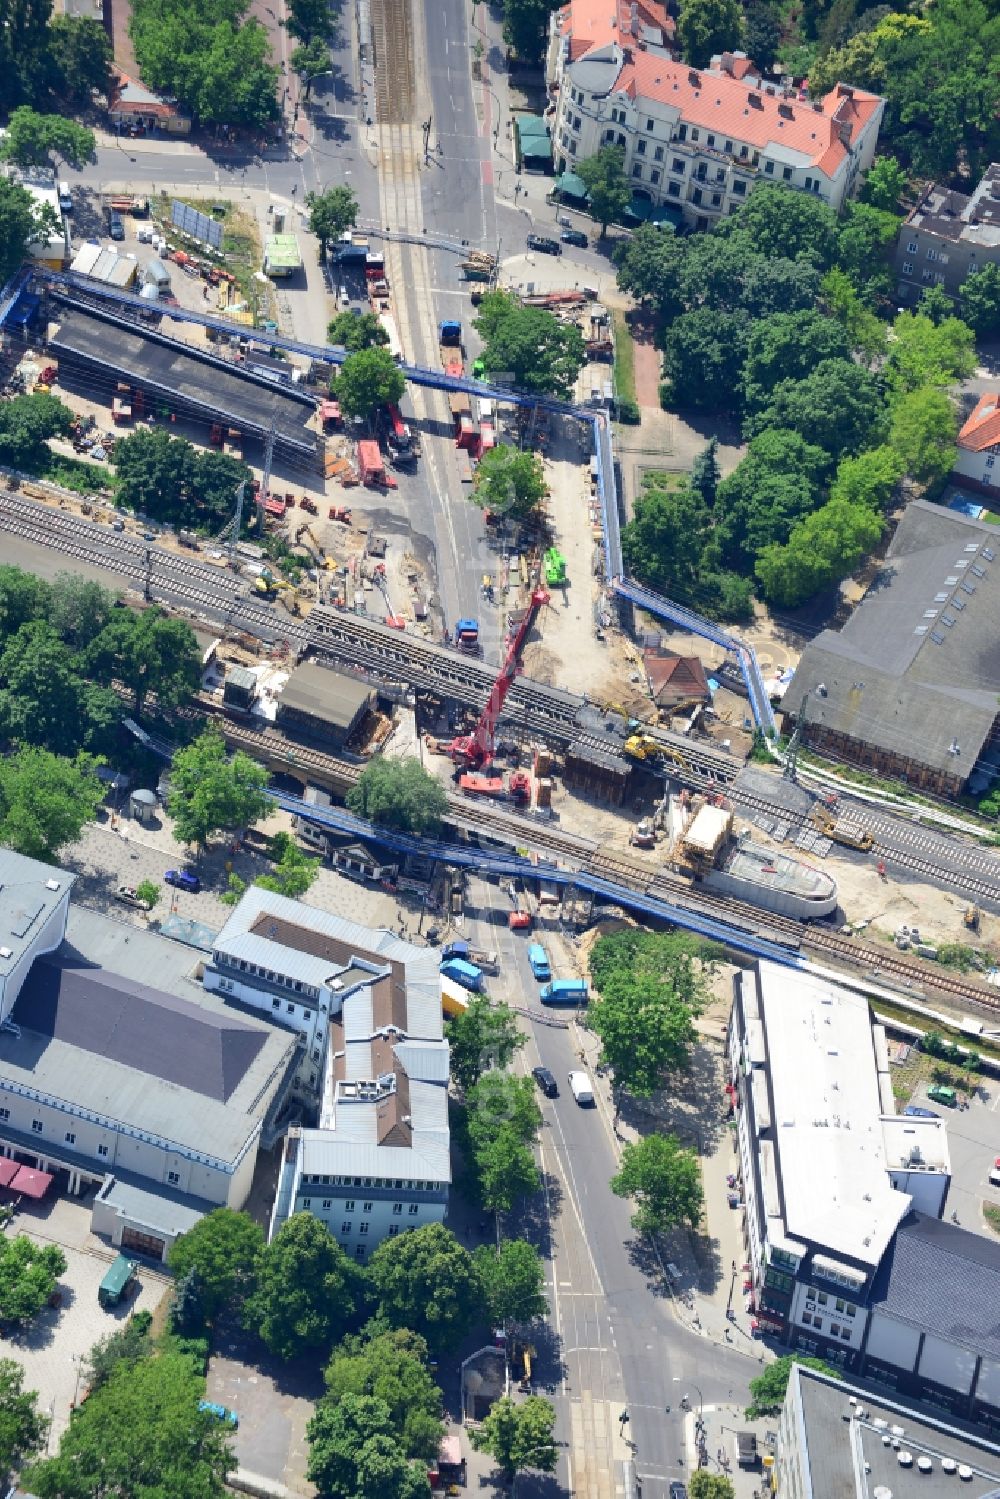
122 308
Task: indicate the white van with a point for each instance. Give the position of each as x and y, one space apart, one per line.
65 198
582 1091
995 1177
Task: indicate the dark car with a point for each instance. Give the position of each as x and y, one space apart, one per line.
678 1491
183 879
574 237
546 1081
546 246
115 227
914 1111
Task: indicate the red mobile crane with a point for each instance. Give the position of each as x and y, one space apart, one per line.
476 749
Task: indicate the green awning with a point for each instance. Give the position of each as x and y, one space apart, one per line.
533 137
642 209
571 186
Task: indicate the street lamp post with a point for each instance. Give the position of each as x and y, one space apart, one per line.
325 73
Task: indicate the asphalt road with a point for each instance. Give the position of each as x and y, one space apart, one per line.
614 1341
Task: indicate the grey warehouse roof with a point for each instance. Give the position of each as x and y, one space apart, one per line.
144 1080
325 694
942 1279
220 393
29 892
848 1459
171 1039
914 670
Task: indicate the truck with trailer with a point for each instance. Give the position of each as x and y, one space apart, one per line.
470 954
539 960
565 992
460 972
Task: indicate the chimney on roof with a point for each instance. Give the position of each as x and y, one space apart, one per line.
786 111
756 102
694 79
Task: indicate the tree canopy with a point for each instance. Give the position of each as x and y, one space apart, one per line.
45 799
651 989
391 1367
141 1433
32 138
398 794
663 1180
528 344
169 479
767 1391
28 1276
308 1292
502 1122
425 1280
221 1252
26 424
509 482
603 175
484 1035
22 1427
22 221
706 27
980 295
367 380
46 700
331 213
355 331
212 792
512 1277
518 1435
149 652
210 56
353 1450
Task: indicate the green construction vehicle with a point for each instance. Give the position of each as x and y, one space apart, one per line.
554 564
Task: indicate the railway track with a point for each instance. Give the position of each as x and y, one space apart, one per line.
979 878
655 882
366 644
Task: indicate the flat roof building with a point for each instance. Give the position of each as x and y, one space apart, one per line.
837 1441
191 381
369 1008
324 704
167 1089
909 686
34 909
849 1258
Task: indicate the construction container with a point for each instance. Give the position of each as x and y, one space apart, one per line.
543 794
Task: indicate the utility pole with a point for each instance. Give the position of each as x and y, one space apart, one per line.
265 478
790 771
237 524
426 127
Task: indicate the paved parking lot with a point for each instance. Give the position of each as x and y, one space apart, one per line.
974 1144
274 1402
125 853
53 1348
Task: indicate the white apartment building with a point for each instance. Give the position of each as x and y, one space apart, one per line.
699 139
829 1171
848 1255
34 909
375 1073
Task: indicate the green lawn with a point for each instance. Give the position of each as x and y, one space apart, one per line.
624 360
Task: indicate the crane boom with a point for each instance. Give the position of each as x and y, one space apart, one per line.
477 749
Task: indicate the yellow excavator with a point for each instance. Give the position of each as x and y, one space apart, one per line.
645 747
311 544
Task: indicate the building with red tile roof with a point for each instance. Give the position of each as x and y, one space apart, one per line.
134 107
978 460
675 682
696 140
